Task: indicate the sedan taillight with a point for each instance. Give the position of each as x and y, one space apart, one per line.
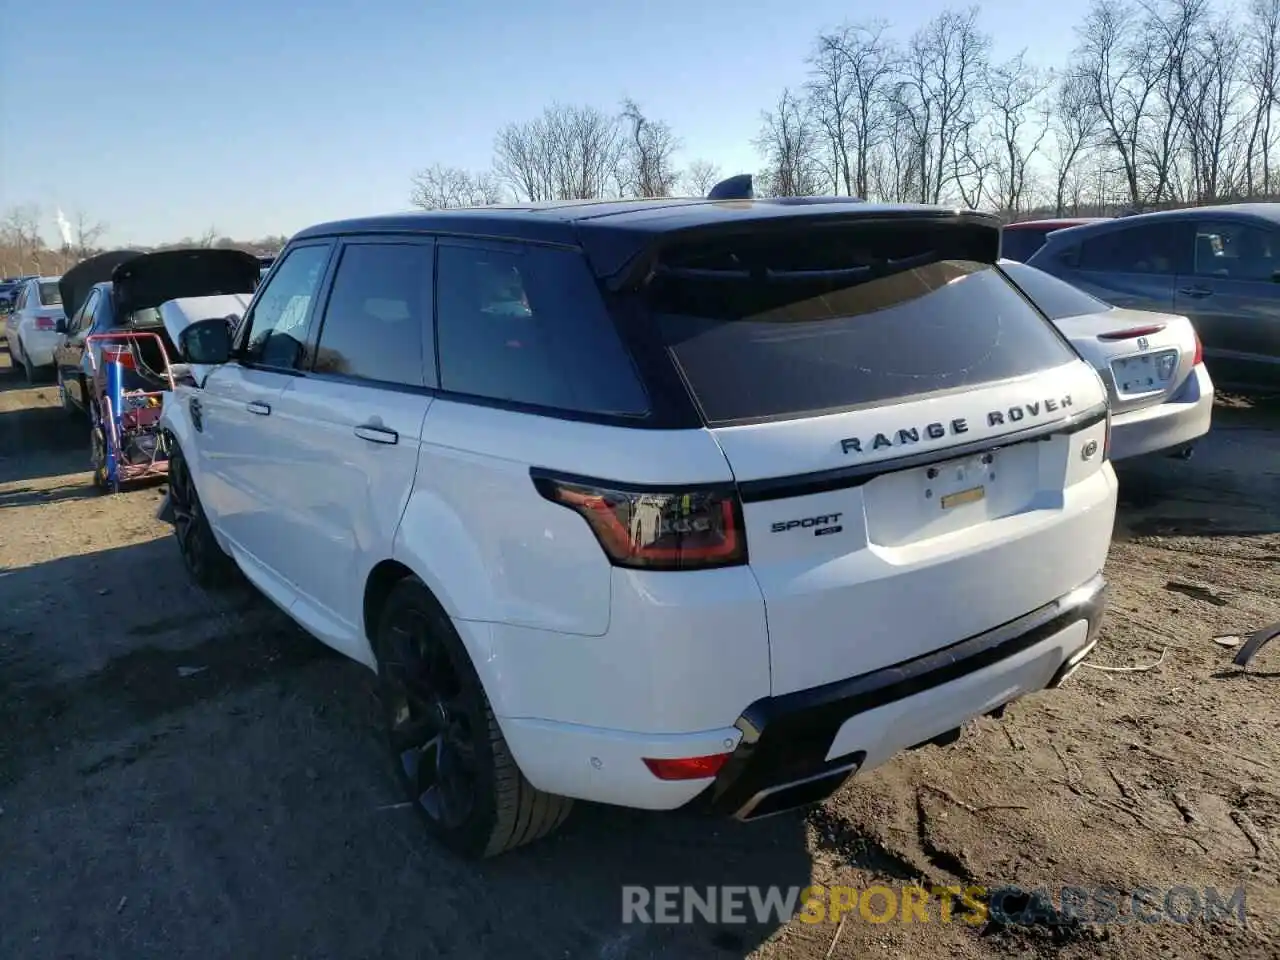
45 323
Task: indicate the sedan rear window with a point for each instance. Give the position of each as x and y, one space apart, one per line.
50 295
1056 298
1020 244
841 322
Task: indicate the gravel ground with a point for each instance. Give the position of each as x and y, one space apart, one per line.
185 776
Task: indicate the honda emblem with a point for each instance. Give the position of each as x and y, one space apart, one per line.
1144 343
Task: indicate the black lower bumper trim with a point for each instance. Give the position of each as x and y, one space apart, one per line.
785 739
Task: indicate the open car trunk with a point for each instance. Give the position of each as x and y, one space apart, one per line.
146 282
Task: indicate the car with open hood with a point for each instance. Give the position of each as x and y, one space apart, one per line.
656 502
124 290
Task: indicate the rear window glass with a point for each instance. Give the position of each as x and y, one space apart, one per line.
528 325
1056 298
1021 244
839 323
50 296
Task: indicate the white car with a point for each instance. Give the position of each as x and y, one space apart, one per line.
32 328
753 495
1152 364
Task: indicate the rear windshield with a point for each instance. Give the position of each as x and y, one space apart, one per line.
1021 244
50 295
1056 298
841 322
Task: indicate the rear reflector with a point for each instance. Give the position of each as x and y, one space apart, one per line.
1199 357
686 768
653 530
1132 332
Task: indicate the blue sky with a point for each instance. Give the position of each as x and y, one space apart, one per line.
164 119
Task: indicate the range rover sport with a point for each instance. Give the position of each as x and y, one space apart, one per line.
657 503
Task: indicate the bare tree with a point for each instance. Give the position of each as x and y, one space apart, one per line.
1075 127
439 187
1213 128
700 177
20 230
86 234
939 93
789 142
1261 53
568 153
648 165
1019 123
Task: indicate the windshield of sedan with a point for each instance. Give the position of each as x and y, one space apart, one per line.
1056 298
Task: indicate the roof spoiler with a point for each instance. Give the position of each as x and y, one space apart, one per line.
735 188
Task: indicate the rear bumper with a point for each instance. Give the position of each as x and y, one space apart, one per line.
38 346
1182 419
798 748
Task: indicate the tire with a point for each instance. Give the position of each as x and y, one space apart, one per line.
98 456
64 397
207 563
436 715
28 370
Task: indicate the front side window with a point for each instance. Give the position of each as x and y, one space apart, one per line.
88 311
277 324
528 325
1236 251
379 315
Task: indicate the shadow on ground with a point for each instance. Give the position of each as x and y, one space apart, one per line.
186 775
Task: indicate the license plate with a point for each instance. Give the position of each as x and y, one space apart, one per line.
1145 372
961 497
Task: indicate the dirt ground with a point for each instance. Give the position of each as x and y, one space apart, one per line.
184 776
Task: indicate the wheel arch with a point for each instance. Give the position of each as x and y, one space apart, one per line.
475 636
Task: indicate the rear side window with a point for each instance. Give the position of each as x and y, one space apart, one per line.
1151 249
378 314
1056 298
528 325
1020 244
871 317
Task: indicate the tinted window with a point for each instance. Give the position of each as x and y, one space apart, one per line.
50 296
1020 244
88 311
378 311
529 325
278 321
810 323
1056 298
21 302
1149 249
1236 251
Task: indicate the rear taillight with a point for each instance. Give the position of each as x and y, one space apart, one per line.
1199 357
45 323
655 530
1132 333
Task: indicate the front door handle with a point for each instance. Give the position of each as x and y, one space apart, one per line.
1196 292
261 409
376 434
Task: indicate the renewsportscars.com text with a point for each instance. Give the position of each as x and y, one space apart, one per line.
974 905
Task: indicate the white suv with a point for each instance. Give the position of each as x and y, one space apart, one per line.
654 503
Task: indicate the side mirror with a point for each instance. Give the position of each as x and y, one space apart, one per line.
60 325
206 342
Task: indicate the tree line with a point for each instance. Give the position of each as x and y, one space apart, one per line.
1161 103
24 248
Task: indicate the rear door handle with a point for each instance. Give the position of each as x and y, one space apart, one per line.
376 434
1196 292
261 409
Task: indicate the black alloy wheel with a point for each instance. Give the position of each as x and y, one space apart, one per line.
206 561
450 756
